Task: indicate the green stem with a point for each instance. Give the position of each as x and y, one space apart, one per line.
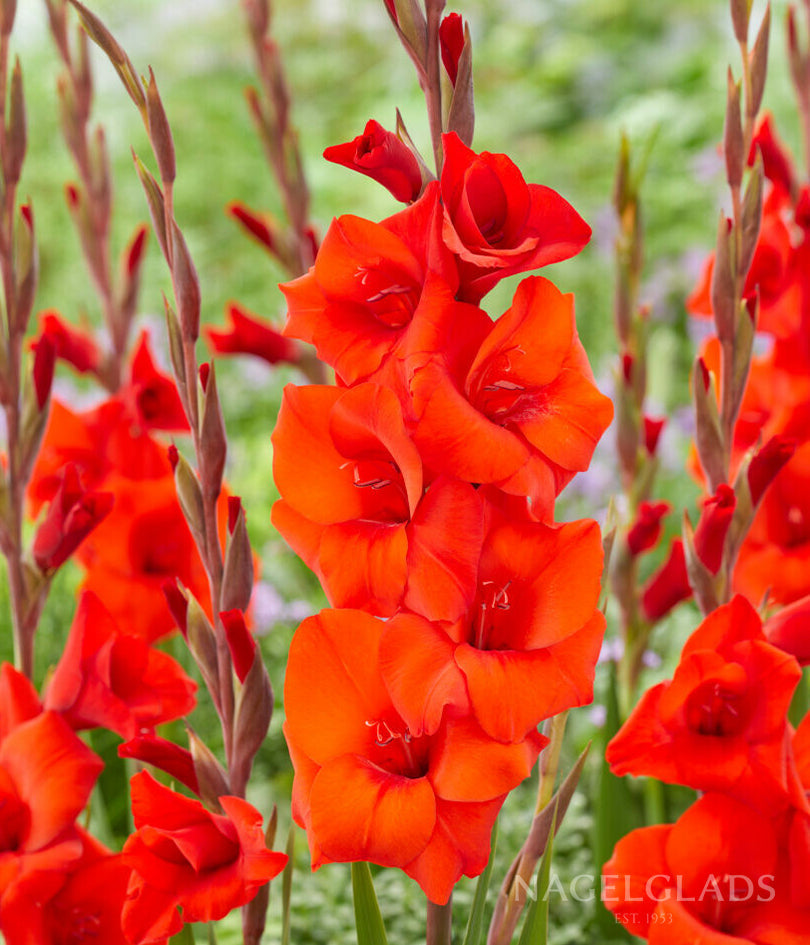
439 926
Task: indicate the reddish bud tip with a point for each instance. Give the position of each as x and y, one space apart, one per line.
767 463
646 530
136 249
240 642
652 433
451 41
234 508
44 363
668 586
72 196
627 367
27 214
178 605
174 456
710 534
704 374
204 371
253 223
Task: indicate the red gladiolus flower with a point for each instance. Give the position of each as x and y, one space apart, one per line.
185 858
719 724
499 225
772 276
713 877
97 442
46 775
106 678
775 557
72 515
525 414
351 483
381 155
365 788
142 543
357 303
250 335
86 908
152 394
524 650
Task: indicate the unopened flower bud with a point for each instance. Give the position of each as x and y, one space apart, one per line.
254 710
160 134
212 434
733 146
701 579
189 494
16 132
710 534
186 285
646 529
240 642
708 435
100 35
767 463
27 267
723 287
212 780
759 62
668 586
237 574
652 433
72 515
155 202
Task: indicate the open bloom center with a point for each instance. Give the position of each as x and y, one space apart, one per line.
716 708
493 601
395 750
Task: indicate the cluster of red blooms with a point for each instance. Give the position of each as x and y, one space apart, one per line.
734 868
108 490
775 557
421 490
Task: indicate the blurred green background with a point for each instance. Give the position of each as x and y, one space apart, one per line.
556 84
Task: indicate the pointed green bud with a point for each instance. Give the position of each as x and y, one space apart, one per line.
212 436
